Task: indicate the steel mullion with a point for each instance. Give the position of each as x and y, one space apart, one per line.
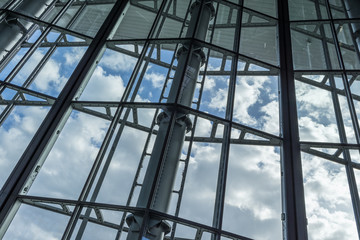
293 204
225 147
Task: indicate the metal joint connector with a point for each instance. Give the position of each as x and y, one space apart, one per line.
185 120
163 116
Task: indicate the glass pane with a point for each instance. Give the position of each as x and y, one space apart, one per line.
35 223
171 25
256 103
19 127
144 17
313 47
260 43
307 10
268 7
91 19
70 160
253 192
199 199
112 73
225 27
328 205
354 82
316 114
348 46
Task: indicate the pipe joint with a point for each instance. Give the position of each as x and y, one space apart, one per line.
198 52
185 120
207 3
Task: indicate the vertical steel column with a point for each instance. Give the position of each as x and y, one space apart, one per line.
353 10
293 204
181 92
12 29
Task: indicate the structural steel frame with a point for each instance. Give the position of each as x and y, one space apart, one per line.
13 193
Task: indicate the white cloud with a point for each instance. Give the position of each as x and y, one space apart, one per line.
247 93
71 157
74 56
271 117
103 86
15 134
50 77
117 61
253 192
157 79
311 130
327 197
219 101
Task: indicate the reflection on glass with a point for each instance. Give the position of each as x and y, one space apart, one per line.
142 16
307 10
91 19
348 46
313 47
268 7
260 43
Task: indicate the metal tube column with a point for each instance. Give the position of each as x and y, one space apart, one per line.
353 10
12 29
181 92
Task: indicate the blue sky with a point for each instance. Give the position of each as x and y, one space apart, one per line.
253 197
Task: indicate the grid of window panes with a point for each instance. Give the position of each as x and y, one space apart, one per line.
325 52
82 84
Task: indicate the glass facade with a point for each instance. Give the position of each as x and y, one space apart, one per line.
169 119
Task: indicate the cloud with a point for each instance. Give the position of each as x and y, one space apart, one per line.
271 117
253 192
71 157
157 79
311 130
327 197
49 80
35 223
103 86
18 128
117 61
74 55
50 77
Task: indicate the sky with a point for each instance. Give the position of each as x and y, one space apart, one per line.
253 190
